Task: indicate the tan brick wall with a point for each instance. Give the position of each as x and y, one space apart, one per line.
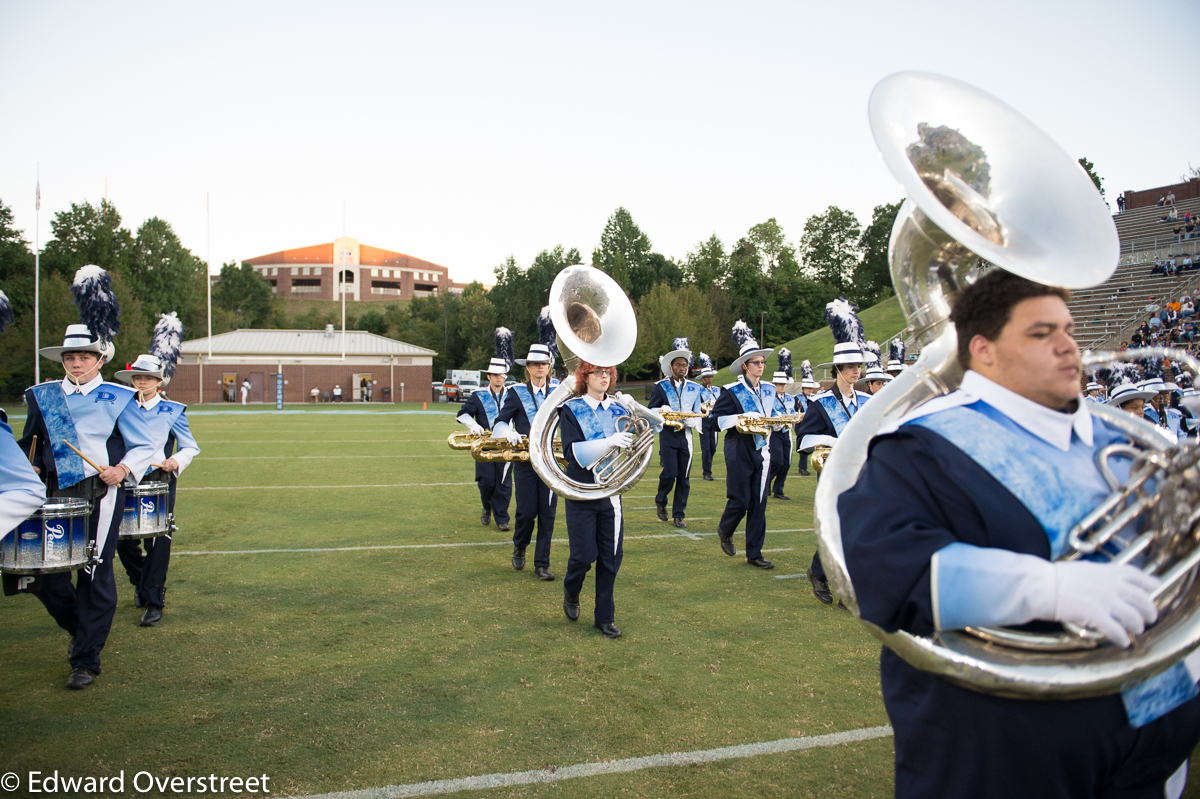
301 378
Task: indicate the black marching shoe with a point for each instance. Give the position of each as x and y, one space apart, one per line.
151 617
609 629
485 518
708 477
760 563
502 526
680 523
820 588
518 559
726 544
571 606
80 678
804 472
661 507
543 574
780 496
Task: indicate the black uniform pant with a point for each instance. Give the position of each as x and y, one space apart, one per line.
535 503
596 531
781 460
495 481
85 608
708 444
746 472
675 456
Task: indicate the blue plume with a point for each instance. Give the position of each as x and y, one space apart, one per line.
704 362
504 346
168 336
6 312
785 362
742 335
547 335
806 372
846 327
98 306
896 350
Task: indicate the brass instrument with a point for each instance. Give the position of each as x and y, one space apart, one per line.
497 450
981 181
674 419
765 425
595 321
707 406
820 454
462 440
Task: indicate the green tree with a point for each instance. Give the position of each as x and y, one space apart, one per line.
749 289
87 234
873 276
1090 168
373 322
771 245
519 294
707 265
624 248
829 249
243 292
663 314
477 326
163 271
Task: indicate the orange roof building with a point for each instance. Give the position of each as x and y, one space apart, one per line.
368 273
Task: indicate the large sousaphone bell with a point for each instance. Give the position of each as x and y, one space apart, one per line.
595 322
984 182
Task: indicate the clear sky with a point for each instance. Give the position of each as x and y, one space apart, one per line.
465 132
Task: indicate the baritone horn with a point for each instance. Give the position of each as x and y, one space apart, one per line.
985 184
594 321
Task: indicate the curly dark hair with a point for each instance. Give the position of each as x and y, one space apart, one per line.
984 308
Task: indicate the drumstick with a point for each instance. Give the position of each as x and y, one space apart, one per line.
156 466
32 447
85 457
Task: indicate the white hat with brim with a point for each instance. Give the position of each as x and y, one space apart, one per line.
1154 384
498 366
1092 387
875 373
708 373
895 366
664 362
849 353
1126 392
538 353
750 350
78 339
145 365
809 384
781 377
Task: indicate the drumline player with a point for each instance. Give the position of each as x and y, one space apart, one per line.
104 419
175 449
479 414
675 447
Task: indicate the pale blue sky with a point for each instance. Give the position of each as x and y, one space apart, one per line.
465 132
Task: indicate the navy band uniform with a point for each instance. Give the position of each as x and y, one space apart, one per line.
781 437
495 480
708 425
676 448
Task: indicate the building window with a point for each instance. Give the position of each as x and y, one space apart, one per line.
295 270
347 276
374 273
306 270
316 270
436 277
274 270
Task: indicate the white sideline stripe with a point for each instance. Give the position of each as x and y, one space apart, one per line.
693 536
317 457
320 440
788 576
273 488
486 781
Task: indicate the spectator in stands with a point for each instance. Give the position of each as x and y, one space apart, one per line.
1125 345
1121 203
1186 308
1189 229
1170 198
1177 231
1155 322
1172 215
1174 305
315 394
1161 200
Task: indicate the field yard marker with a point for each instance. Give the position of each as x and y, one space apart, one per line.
624 766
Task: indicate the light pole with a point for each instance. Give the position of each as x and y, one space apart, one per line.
762 330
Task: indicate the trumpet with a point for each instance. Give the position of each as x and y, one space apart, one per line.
674 419
765 425
462 440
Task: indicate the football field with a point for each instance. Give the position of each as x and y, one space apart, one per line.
338 620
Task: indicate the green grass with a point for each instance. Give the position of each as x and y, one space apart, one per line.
881 322
343 670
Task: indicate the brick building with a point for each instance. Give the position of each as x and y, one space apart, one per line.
307 359
1189 190
369 273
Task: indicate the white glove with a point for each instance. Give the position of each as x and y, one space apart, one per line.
665 409
620 440
753 414
1111 598
627 402
513 437
475 427
693 423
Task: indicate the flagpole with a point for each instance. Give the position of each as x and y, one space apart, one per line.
37 276
343 287
208 271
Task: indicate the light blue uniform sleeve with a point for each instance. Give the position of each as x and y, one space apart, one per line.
21 491
588 452
139 439
186 447
981 586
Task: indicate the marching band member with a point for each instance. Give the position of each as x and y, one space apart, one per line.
536 503
895 364
953 522
21 491
102 420
175 449
875 379
780 442
708 425
830 411
808 386
675 448
1092 392
479 414
747 456
1128 397
595 528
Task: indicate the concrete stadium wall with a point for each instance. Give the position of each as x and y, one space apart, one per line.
301 378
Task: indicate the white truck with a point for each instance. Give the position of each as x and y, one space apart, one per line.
460 384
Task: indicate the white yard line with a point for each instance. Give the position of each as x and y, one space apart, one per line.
626 765
319 457
275 488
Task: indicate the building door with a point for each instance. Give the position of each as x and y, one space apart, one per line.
363 387
228 382
256 386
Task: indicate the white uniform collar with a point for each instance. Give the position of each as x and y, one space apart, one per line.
149 404
744 381
595 403
1053 427
544 390
69 387
681 382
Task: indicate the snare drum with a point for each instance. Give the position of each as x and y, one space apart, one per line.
146 511
55 539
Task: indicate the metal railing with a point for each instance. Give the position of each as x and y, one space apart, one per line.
306 289
389 292
1118 334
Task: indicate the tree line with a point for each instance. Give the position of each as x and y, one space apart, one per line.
779 287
